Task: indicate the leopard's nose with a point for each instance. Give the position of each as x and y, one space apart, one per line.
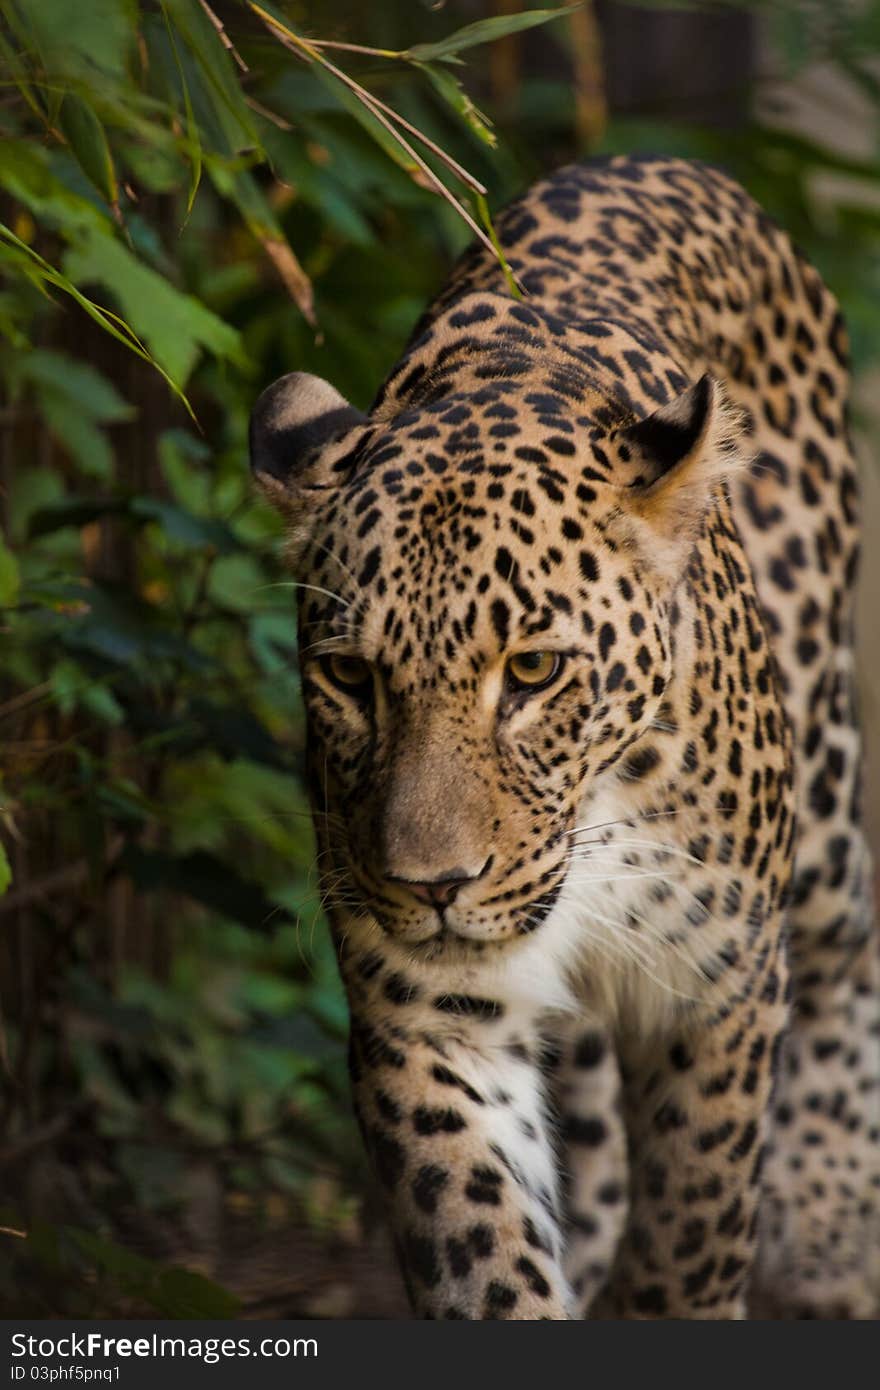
440 892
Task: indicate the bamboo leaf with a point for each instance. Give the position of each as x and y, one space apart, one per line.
41 274
348 99
218 73
389 120
20 78
26 176
88 141
455 96
176 326
483 31
486 218
78 38
192 128
365 118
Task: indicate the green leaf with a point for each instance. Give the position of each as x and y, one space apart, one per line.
455 96
76 433
20 77
182 526
176 326
94 393
273 641
484 31
15 314
335 197
29 490
180 457
66 681
154 166
237 583
5 869
192 126
217 71
365 117
240 188
25 174
243 191
9 576
72 687
209 798
79 37
33 267
100 701
89 144
486 219
74 398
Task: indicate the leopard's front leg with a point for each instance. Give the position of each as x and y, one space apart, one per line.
455 1127
587 1094
698 1119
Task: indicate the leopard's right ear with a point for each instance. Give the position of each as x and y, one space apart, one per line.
293 426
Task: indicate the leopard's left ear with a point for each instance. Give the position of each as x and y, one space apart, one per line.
677 457
294 425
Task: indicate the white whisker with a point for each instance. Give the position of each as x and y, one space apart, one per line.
297 584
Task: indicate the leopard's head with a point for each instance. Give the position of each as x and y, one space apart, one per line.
484 631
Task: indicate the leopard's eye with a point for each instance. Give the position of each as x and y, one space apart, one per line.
532 670
348 673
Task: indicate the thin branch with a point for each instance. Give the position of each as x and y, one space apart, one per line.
452 164
359 48
301 46
437 183
304 49
272 116
224 37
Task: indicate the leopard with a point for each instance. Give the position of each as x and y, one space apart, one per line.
575 626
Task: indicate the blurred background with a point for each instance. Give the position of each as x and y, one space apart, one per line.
195 199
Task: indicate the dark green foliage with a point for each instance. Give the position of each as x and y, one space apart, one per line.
101 1277
176 233
180 1004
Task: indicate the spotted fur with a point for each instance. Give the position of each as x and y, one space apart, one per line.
608 943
